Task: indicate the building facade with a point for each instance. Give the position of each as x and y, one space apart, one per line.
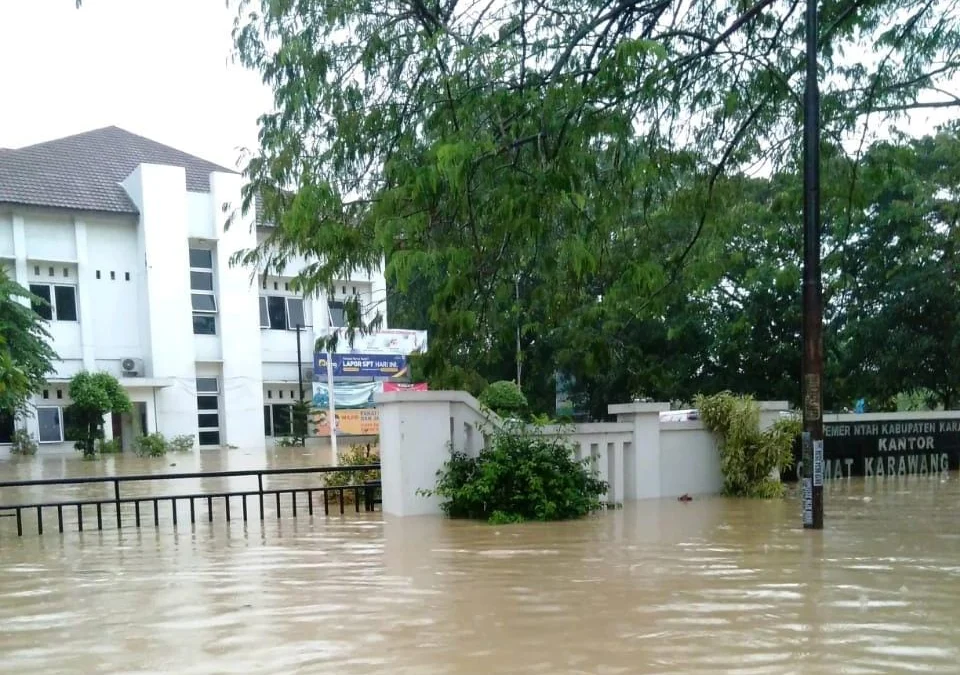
127 240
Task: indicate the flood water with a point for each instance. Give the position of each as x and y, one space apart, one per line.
711 586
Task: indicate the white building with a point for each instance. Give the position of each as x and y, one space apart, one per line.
127 239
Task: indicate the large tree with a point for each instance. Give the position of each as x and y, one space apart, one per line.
552 166
25 353
900 271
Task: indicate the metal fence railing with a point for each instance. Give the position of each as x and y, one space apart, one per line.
115 503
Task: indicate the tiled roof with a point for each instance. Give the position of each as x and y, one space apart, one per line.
84 172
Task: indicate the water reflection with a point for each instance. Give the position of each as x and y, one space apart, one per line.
659 587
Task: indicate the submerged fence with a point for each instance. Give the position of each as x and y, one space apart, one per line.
148 507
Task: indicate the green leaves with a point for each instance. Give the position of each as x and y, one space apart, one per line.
748 456
25 354
524 475
504 398
510 167
93 395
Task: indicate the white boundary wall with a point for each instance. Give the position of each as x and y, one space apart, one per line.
638 455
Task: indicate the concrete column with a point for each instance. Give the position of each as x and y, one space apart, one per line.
238 317
414 436
84 301
644 460
151 414
20 254
108 427
617 480
29 420
160 193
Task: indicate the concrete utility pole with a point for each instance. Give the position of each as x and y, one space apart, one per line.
812 359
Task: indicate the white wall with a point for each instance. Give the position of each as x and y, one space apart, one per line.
161 196
115 289
6 235
239 317
689 459
50 237
200 216
638 456
279 347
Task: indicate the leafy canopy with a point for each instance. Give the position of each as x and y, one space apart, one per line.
504 398
93 395
553 170
25 353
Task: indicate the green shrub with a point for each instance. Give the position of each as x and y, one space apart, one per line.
356 455
523 475
93 395
22 443
111 447
748 456
286 442
181 443
504 398
151 445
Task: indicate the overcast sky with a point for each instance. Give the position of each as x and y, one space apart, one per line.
159 68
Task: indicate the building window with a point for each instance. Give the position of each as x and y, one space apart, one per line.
338 314
279 313
6 428
208 411
50 420
207 385
59 302
203 299
278 419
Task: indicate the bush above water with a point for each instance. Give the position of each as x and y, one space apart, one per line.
748 456
111 447
355 455
22 443
504 398
523 475
157 445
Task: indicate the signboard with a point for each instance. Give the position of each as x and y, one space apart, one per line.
361 365
392 341
918 446
362 422
400 386
345 394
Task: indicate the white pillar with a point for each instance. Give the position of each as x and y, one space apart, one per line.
414 434
29 420
160 193
238 318
616 464
20 254
644 460
108 427
85 279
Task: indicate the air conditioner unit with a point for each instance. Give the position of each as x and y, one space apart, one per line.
131 367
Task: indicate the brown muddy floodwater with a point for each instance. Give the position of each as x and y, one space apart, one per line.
712 586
